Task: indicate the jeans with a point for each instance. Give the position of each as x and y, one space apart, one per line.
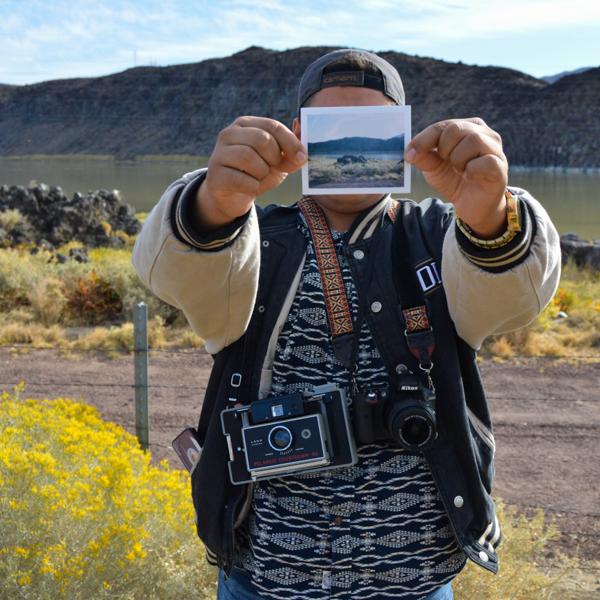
239 587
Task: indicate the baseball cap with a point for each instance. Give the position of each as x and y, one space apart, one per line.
378 74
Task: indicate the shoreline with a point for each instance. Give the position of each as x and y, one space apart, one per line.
591 170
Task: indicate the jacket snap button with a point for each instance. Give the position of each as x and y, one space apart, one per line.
265 243
358 254
261 309
483 556
376 307
458 501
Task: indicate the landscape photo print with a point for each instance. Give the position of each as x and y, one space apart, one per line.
355 149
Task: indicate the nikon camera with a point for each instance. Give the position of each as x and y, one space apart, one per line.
405 415
294 433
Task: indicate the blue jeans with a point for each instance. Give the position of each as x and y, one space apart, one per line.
239 587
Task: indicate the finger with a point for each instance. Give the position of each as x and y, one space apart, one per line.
245 159
427 140
422 152
258 139
234 181
471 146
490 168
293 150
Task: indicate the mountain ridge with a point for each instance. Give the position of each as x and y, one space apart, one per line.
180 109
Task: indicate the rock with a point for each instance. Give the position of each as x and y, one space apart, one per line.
50 217
348 159
79 254
67 116
581 252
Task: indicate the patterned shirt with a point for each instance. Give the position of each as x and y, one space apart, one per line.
376 530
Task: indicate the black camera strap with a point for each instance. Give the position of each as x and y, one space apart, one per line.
418 332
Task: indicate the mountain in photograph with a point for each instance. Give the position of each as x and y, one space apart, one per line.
358 144
180 109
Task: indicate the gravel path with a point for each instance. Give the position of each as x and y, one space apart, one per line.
546 417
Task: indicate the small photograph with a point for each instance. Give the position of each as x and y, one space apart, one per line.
355 149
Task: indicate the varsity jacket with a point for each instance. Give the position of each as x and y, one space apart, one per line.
236 286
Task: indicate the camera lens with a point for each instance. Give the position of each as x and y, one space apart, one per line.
416 430
413 427
280 438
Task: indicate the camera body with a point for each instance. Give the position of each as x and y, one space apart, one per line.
293 433
405 415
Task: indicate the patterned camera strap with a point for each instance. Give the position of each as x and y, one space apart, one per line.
339 314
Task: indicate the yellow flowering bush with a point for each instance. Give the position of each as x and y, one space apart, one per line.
84 514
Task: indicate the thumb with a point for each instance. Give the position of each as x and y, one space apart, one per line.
424 160
290 164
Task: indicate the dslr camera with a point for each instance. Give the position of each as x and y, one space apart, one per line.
405 415
293 433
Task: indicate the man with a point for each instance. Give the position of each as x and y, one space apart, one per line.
399 523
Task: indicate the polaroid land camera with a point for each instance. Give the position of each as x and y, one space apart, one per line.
288 434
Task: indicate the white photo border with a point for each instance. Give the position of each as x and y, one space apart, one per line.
307 190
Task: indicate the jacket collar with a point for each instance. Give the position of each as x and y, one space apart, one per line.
367 222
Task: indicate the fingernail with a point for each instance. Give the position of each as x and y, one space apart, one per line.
301 157
410 155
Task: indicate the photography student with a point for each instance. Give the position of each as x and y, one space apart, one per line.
385 302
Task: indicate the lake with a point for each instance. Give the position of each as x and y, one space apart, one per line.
572 199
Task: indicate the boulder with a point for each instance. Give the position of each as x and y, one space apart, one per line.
349 159
48 214
583 253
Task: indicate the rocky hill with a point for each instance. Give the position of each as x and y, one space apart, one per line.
180 109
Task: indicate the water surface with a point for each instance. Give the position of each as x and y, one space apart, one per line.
572 199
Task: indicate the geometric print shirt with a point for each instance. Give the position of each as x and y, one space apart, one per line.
375 530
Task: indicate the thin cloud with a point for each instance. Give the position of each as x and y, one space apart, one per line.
87 38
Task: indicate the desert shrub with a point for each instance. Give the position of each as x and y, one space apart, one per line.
554 334
47 299
92 300
522 575
10 218
86 515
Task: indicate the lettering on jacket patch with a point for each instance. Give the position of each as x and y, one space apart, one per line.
429 276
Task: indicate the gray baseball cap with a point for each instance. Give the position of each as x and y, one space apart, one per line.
379 74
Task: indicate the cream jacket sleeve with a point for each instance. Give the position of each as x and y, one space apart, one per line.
483 303
213 281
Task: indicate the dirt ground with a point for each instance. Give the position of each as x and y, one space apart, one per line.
546 416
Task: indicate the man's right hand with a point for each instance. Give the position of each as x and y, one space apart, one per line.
251 156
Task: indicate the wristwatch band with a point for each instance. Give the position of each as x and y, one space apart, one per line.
514 225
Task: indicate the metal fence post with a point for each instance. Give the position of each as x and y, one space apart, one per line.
140 334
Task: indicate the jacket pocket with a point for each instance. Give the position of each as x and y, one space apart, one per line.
480 430
484 448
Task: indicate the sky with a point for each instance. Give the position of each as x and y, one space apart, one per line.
334 124
57 39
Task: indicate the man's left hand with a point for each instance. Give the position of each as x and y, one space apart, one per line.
463 160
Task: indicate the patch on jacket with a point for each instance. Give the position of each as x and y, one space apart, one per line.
429 277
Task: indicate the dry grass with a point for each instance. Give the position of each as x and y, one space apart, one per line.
553 334
325 171
38 299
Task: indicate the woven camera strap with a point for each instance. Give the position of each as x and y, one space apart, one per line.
418 332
